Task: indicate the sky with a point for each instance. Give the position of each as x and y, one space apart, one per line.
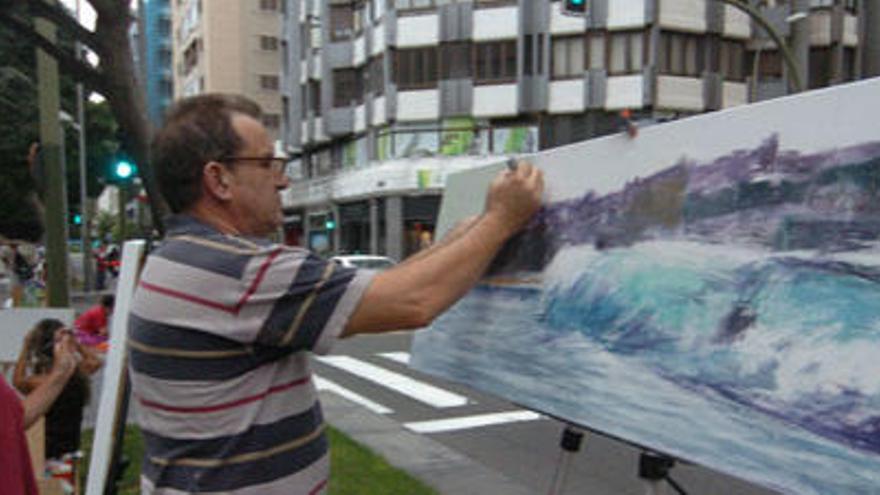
87 13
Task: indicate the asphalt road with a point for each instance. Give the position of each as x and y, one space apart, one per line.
526 451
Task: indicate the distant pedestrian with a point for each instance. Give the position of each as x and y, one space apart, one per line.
92 326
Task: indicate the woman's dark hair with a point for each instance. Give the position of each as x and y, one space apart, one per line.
41 347
197 130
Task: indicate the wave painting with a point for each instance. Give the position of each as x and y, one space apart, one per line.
727 313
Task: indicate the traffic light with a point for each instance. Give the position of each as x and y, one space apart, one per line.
330 222
123 170
77 219
574 7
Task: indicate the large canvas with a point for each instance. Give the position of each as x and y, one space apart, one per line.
709 289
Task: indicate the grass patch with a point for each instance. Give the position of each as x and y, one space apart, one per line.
355 470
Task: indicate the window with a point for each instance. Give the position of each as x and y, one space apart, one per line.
416 68
348 87
269 43
528 56
595 50
272 120
820 68
315 97
626 52
455 60
731 60
769 64
269 5
269 82
341 22
681 54
304 101
568 57
164 27
165 58
495 62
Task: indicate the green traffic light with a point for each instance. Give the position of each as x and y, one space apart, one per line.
123 170
77 219
330 224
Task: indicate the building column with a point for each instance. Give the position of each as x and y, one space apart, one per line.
869 44
394 227
374 225
800 42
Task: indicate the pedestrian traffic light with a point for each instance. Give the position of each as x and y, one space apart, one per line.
124 170
574 7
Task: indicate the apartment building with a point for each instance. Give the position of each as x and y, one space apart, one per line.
155 56
384 98
230 46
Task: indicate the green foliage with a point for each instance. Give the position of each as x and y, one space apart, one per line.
355 470
19 126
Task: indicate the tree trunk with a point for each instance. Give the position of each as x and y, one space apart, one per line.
126 97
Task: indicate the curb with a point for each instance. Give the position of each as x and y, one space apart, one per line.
440 467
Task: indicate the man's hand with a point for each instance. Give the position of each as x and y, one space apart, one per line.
515 196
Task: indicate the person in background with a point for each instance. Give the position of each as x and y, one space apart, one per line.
34 367
17 415
91 326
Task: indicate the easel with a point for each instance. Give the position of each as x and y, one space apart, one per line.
653 467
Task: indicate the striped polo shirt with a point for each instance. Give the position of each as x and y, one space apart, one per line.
219 335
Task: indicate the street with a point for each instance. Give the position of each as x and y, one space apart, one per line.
515 443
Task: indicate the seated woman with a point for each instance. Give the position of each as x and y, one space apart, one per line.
17 415
33 368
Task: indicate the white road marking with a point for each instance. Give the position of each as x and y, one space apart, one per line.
323 384
400 357
420 391
466 422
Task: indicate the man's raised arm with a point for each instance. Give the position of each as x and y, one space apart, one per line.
413 293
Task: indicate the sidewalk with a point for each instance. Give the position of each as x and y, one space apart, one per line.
444 469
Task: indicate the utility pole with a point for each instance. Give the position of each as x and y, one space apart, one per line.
50 138
85 214
870 34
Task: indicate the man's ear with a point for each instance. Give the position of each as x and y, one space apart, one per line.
215 179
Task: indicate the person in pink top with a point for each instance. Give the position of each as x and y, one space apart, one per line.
91 326
17 415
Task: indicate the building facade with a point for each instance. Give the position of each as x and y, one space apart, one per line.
382 99
156 55
230 47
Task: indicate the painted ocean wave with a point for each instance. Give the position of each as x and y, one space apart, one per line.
794 335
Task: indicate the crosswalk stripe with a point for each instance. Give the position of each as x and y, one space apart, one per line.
420 391
400 357
324 384
465 422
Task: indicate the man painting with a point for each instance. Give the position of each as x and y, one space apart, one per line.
223 320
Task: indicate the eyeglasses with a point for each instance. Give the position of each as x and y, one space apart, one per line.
275 164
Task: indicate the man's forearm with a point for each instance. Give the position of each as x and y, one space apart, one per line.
414 293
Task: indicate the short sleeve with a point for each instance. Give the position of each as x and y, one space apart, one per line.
313 309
